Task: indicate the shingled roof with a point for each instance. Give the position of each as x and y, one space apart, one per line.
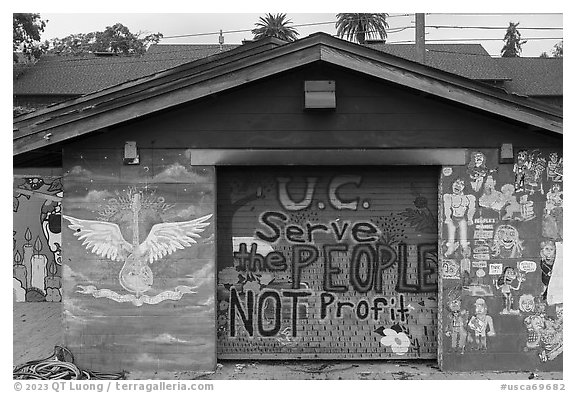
533 76
468 60
78 75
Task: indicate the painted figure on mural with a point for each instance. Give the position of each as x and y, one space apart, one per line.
529 169
459 210
545 333
481 325
547 258
551 336
552 221
504 285
477 170
457 326
520 169
554 170
534 325
491 198
535 174
506 242
522 210
527 303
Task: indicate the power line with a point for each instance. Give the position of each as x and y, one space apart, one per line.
250 30
493 27
128 61
478 39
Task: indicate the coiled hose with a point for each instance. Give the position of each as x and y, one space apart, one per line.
60 365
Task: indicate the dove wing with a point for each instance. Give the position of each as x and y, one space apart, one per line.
167 237
102 238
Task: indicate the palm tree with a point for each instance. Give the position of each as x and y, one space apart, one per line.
358 27
513 43
274 26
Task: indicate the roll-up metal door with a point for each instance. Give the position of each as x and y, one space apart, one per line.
327 262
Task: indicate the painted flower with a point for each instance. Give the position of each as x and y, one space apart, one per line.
421 202
53 295
398 342
252 286
228 275
222 293
223 305
222 320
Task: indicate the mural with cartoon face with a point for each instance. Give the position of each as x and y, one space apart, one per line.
526 303
459 210
477 170
506 242
516 255
505 285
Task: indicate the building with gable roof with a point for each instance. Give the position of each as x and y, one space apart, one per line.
309 200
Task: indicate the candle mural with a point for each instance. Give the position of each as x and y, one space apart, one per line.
37 262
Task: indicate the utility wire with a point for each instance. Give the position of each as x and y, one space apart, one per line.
492 27
477 39
250 30
126 60
88 56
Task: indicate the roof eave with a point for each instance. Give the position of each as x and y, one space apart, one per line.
169 88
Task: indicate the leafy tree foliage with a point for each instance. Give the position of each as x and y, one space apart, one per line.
275 26
26 36
116 39
513 42
558 50
359 27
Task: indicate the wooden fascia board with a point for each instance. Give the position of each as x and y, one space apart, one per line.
441 89
147 105
330 50
434 73
386 156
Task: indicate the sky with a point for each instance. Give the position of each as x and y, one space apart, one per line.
236 26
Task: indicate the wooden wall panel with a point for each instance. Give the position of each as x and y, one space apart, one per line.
501 263
369 114
372 218
132 300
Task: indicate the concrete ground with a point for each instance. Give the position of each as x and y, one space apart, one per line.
38 328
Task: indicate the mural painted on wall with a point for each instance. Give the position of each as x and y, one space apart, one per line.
105 239
501 262
37 261
139 265
327 262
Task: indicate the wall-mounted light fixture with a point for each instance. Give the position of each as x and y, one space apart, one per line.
506 153
319 94
131 156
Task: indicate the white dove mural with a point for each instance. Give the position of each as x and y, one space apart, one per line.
106 240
